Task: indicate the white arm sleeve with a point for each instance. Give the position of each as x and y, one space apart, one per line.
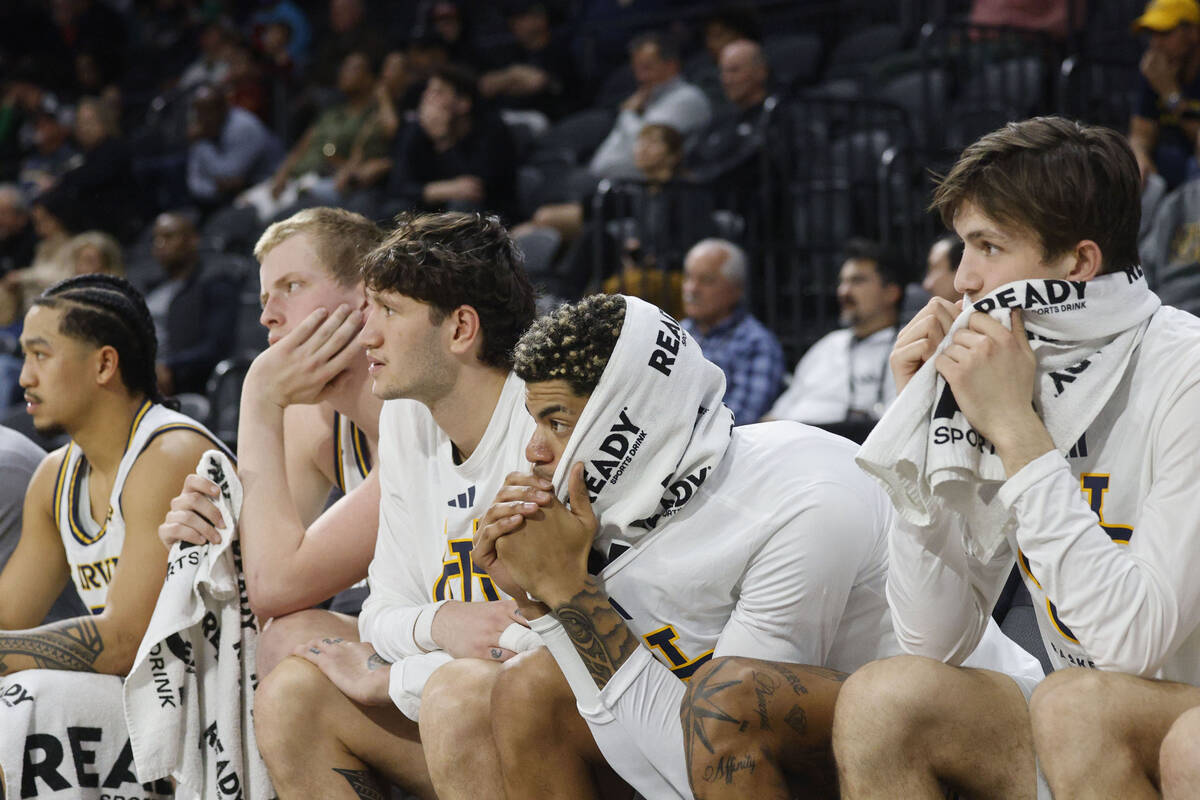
397 616
1130 605
941 599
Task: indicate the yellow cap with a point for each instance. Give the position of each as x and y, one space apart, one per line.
1165 15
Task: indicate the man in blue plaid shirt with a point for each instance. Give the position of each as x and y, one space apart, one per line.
714 279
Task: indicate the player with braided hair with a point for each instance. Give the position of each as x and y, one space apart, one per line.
93 506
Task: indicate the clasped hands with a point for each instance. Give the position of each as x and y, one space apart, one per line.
531 544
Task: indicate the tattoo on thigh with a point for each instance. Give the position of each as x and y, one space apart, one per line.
797 720
727 768
375 661
362 783
699 706
764 686
73 644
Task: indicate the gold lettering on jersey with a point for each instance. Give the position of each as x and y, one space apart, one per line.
460 578
1093 485
662 642
96 575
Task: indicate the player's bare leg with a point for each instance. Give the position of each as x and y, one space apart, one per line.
904 723
1098 734
283 634
545 747
318 743
456 730
1179 758
755 728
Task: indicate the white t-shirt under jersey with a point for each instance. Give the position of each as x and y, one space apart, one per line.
428 510
1108 533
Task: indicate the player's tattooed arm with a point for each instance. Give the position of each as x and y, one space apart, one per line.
73 644
362 782
599 634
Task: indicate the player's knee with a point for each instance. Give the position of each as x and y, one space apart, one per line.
458 696
1068 709
1179 757
286 705
885 705
530 694
283 635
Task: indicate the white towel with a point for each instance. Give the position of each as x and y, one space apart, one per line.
189 697
655 423
1083 334
62 735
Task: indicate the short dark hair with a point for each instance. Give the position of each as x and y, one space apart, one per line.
105 310
888 263
453 259
461 79
572 343
667 45
1062 181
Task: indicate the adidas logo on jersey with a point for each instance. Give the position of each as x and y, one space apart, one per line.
464 500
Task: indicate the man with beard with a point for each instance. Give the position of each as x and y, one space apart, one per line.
844 376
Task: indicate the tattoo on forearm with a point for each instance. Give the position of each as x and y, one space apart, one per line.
599 634
375 661
362 783
72 644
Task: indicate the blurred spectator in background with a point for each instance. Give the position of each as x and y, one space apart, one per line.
1166 120
727 25
449 24
49 264
425 54
349 30
230 150
725 153
714 284
17 236
94 252
95 192
942 266
194 309
537 72
293 16
453 156
309 168
662 96
844 377
212 64
53 152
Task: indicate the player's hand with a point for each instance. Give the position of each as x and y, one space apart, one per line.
353 667
194 516
991 371
916 343
298 367
472 630
548 555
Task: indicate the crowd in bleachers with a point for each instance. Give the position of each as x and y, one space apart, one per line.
821 123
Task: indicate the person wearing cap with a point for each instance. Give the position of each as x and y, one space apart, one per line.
1166 120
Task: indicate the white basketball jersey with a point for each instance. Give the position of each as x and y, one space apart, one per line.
351 454
92 548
